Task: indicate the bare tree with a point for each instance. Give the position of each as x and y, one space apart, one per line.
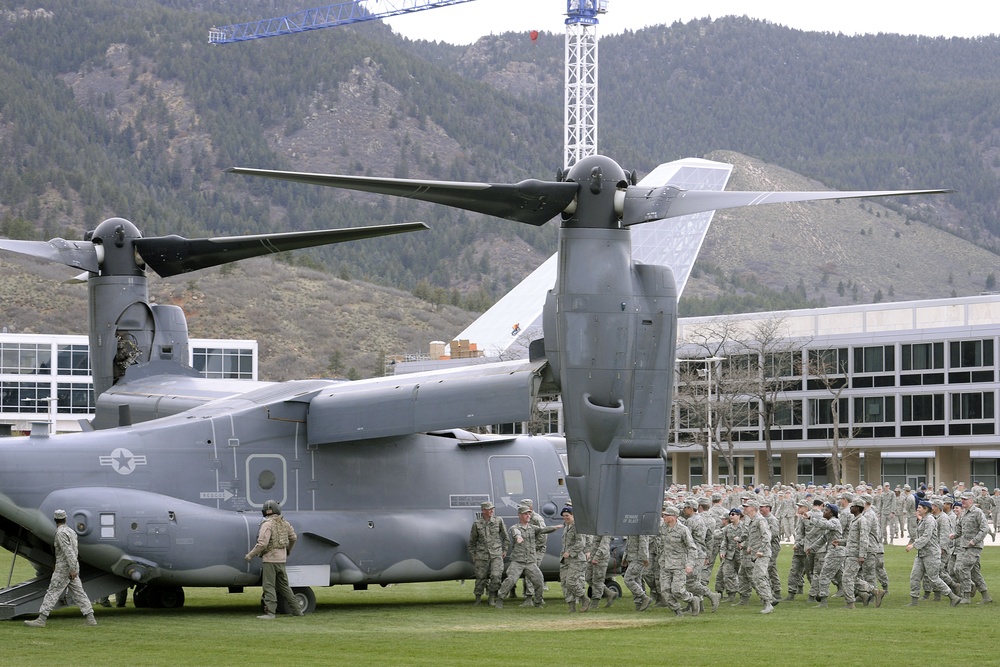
827 368
778 361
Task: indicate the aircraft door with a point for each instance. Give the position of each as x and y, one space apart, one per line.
513 478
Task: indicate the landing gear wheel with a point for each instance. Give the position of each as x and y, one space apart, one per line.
304 596
168 597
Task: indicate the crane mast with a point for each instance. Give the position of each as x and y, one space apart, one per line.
580 126
342 13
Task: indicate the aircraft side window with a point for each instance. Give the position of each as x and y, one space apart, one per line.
266 480
513 482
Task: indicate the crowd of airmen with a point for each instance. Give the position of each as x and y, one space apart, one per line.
837 536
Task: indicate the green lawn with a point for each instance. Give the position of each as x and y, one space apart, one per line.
435 624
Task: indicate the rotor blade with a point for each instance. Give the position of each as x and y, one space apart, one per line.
172 255
649 204
77 254
531 201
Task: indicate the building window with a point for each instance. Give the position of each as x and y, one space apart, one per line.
828 362
874 409
821 411
75 398
876 359
25 359
73 359
973 405
923 408
223 363
787 413
922 356
971 353
28 397
779 365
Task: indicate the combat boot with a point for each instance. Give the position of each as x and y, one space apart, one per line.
695 606
914 601
937 596
849 605
499 603
866 598
492 600
954 599
89 620
572 605
879 594
594 605
744 601
611 595
585 604
716 598
986 598
266 617
821 604
927 595
527 603
731 598
479 601
768 608
36 623
790 597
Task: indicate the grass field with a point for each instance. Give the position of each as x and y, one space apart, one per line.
435 624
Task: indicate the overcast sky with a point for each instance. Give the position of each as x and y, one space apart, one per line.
464 23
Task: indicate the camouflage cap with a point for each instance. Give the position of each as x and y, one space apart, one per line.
968 495
751 502
857 502
867 498
528 502
671 510
691 503
937 502
802 503
716 497
523 509
59 515
486 506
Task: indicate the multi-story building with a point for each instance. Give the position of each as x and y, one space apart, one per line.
46 378
910 389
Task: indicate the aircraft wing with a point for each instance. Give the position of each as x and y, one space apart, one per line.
420 402
673 242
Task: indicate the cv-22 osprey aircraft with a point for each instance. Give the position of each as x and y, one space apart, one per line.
378 476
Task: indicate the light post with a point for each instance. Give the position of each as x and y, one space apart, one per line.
707 374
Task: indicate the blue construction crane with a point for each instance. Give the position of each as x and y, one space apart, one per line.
343 13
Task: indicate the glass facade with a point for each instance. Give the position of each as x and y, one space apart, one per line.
32 387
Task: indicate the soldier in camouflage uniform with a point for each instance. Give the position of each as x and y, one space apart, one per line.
772 567
695 522
731 554
814 545
796 573
970 531
541 541
573 562
275 540
833 562
637 561
678 556
488 545
928 561
757 556
522 557
599 548
65 575
858 553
